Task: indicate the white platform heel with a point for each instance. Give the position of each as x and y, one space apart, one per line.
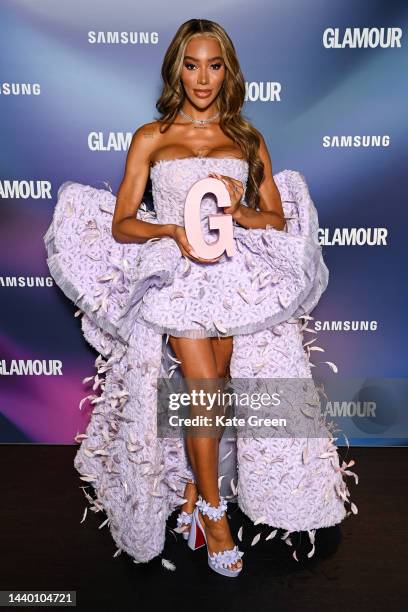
219 561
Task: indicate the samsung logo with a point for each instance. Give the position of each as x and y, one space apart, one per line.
20 89
346 325
26 281
356 141
123 38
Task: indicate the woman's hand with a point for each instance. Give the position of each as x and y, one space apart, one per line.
179 235
235 190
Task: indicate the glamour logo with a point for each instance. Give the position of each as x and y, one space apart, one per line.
268 91
356 141
26 281
35 190
345 325
32 367
362 38
353 236
123 38
20 89
113 141
351 409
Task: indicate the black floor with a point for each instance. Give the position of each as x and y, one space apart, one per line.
360 565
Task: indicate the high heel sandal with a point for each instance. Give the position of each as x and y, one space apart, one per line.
184 518
197 538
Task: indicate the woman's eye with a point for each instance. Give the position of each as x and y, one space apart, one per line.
218 66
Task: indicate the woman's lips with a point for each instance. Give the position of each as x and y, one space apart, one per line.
202 94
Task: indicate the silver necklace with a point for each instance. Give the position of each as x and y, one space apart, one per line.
199 122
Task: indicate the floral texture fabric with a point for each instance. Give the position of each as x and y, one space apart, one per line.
132 296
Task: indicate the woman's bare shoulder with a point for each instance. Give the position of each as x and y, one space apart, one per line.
147 130
147 138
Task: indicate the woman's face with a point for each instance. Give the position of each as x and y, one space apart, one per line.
203 71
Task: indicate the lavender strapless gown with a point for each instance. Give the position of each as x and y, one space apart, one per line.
132 295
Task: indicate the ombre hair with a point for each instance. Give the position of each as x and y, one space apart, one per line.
230 98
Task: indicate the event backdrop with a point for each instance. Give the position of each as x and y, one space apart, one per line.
327 87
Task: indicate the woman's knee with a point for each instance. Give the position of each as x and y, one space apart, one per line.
223 351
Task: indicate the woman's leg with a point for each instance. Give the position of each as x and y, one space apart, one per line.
206 358
222 349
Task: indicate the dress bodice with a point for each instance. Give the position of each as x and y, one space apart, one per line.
173 178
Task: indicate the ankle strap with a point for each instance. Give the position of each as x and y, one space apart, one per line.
184 518
213 512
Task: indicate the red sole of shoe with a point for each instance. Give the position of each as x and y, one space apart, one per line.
199 538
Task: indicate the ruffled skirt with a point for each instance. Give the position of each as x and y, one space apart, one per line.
129 299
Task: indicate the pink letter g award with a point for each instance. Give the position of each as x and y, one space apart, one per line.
222 222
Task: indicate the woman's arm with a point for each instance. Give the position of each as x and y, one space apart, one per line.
125 227
270 203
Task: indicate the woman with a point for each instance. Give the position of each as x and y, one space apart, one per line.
145 281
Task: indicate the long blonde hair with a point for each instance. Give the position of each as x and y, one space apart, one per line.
230 98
